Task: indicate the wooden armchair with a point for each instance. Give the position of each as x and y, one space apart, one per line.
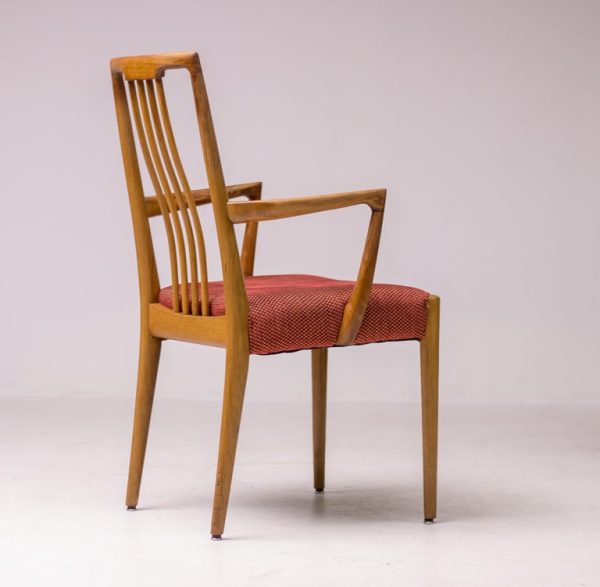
243 313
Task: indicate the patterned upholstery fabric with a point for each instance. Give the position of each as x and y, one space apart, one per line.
294 312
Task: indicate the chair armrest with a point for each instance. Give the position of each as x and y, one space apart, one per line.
261 210
202 196
356 307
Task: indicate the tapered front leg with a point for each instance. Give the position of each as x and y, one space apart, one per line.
236 372
429 406
319 415
146 382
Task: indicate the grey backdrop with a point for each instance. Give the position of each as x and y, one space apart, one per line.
482 119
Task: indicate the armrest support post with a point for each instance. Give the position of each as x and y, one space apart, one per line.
250 234
356 307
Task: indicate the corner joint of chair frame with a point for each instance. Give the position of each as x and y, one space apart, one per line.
377 202
255 193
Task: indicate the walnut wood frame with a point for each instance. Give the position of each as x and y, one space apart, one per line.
144 109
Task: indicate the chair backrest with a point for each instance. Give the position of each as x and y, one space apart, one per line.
142 111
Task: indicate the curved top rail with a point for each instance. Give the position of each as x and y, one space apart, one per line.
145 67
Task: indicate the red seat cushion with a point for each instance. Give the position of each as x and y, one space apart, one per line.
294 312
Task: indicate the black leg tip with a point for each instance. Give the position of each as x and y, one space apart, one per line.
216 537
131 507
319 490
429 520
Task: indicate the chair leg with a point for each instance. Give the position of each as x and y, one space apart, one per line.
429 406
236 372
146 382
319 415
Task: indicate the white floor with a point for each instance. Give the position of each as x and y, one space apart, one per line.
518 497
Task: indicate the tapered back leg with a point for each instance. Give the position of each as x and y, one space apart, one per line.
429 406
236 373
146 382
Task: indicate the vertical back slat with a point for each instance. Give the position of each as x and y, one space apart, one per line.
149 283
135 106
177 191
188 196
169 197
